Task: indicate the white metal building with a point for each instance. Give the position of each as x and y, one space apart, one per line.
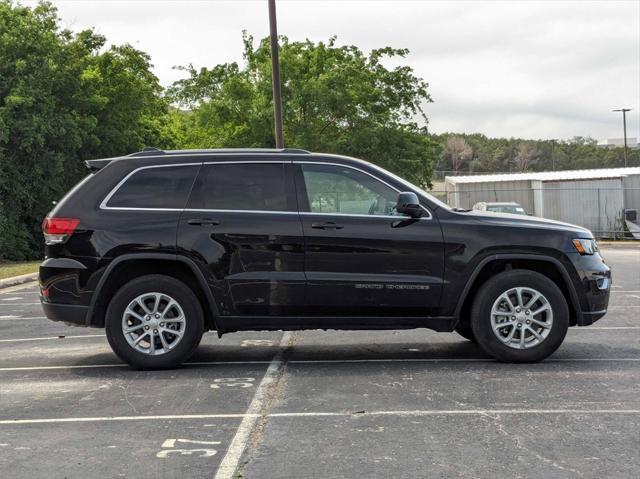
595 199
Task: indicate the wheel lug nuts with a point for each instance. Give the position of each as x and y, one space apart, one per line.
528 322
162 325
519 325
155 331
146 327
527 312
517 310
147 318
157 315
513 318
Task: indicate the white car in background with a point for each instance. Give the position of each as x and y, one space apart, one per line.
507 207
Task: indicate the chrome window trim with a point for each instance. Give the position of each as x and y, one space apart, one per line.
103 205
354 215
298 162
277 212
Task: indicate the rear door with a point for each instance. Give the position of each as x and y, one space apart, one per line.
361 258
242 226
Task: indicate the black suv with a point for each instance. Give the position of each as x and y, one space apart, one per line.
160 246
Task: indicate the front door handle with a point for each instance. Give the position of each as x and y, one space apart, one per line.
329 225
203 222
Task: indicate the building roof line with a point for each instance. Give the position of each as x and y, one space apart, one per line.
567 175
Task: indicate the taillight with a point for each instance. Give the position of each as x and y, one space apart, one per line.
58 230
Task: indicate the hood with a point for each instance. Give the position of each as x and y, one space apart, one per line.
510 220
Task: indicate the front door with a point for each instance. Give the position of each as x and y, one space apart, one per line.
361 258
242 226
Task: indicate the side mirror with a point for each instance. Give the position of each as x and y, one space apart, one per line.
408 204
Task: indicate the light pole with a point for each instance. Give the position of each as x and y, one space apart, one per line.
553 157
624 125
275 75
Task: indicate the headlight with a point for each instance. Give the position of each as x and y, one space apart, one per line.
585 246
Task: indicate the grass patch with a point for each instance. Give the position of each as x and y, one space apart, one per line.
8 270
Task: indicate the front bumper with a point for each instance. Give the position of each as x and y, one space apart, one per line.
594 288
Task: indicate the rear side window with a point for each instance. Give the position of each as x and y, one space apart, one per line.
155 187
240 186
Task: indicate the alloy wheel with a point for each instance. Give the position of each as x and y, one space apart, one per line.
153 323
521 317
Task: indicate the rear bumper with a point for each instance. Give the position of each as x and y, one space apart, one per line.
70 314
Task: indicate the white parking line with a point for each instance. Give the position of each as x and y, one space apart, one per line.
15 318
602 328
255 416
48 338
53 337
19 287
20 304
326 361
229 463
7 292
447 360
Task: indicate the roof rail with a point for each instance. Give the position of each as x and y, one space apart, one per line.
148 151
95 165
296 151
151 151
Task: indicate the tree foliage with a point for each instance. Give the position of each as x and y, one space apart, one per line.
64 98
336 99
515 154
457 152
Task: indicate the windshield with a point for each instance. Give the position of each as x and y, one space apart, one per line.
513 209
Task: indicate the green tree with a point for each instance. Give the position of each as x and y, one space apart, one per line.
62 101
336 99
509 154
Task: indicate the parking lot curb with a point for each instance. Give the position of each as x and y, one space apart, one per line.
15 280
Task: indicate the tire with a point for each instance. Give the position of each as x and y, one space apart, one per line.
536 335
463 328
176 324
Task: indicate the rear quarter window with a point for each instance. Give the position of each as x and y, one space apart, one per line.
157 187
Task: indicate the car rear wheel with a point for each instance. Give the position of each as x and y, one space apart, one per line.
519 316
154 322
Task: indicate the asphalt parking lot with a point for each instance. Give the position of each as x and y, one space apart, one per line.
322 404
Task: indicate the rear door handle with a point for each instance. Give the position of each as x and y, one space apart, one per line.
329 225
203 222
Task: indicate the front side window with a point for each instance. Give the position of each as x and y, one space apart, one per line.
342 190
165 187
240 186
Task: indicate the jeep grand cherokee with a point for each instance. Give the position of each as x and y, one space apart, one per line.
160 246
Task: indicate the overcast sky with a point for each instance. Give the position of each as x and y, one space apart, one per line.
503 68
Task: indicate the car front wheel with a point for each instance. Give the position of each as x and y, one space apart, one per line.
519 316
154 322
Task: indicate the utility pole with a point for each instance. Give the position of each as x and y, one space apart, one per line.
624 125
275 75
